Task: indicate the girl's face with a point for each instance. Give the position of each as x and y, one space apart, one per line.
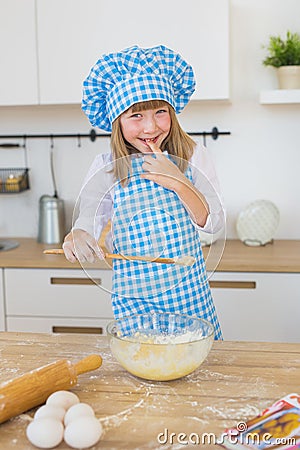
153 124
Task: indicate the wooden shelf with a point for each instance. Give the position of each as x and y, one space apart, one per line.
280 96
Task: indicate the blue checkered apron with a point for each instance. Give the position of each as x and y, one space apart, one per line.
149 220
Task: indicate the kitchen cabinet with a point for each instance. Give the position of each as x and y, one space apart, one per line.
2 310
57 325
54 43
19 70
72 36
256 291
258 306
250 306
61 300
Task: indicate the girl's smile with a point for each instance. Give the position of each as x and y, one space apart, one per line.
140 127
146 140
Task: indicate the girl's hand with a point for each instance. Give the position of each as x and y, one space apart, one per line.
81 246
164 172
161 170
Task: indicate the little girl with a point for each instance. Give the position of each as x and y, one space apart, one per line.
157 186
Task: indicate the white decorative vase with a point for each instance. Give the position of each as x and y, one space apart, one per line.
289 77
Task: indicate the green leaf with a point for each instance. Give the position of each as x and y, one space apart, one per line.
283 52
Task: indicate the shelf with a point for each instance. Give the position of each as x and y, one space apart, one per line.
280 96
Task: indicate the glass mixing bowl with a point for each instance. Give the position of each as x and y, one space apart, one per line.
160 346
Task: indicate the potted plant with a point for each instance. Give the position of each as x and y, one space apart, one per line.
284 54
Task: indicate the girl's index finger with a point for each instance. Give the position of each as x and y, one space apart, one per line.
155 148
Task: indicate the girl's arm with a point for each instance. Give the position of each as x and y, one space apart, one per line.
95 205
193 200
205 180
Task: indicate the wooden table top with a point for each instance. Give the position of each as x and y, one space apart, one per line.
235 382
279 256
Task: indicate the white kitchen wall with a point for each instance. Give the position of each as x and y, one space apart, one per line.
261 158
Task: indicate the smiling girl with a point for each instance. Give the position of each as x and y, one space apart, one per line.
157 186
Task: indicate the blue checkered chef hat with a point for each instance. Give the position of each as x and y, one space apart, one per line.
118 80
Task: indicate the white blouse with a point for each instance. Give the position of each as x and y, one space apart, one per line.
97 194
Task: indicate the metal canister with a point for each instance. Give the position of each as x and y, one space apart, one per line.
51 220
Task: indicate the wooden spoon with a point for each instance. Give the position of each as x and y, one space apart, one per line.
182 261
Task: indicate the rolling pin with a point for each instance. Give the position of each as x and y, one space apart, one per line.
33 388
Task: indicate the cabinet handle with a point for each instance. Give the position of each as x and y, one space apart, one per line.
232 284
81 330
82 281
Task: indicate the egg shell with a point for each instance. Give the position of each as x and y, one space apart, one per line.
45 432
66 399
54 411
83 432
78 410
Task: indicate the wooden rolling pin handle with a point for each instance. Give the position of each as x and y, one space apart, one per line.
91 362
33 388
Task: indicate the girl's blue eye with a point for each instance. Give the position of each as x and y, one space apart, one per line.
162 111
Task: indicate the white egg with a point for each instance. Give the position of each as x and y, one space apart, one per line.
83 432
45 432
55 411
79 410
66 399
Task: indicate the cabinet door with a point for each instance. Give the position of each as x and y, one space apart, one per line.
57 293
18 74
57 325
72 36
2 313
258 306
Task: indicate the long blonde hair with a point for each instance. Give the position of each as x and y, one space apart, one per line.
178 142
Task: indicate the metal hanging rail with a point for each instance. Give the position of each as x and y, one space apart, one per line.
93 135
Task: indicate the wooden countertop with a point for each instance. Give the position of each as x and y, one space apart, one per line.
29 254
235 382
279 256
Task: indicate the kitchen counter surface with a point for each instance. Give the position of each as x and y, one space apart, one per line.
279 256
236 382
29 254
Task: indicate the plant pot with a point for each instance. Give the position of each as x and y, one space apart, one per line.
289 77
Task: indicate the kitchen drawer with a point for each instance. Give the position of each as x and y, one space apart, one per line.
57 325
2 310
258 306
57 293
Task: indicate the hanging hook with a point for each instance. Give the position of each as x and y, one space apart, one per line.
24 141
25 150
78 140
204 138
93 135
52 166
214 133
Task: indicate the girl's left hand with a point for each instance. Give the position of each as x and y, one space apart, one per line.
161 170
